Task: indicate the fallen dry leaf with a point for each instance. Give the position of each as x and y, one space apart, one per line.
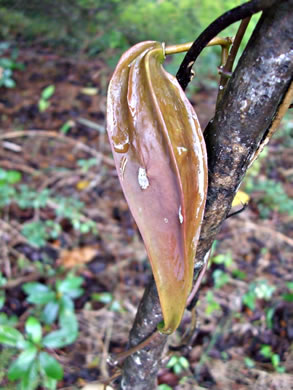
77 256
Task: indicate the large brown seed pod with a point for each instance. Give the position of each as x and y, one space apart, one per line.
161 160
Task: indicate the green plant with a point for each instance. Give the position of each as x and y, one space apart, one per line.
34 365
220 278
163 386
178 364
274 197
46 94
38 232
8 179
224 259
54 301
212 304
107 298
67 126
286 133
249 362
260 289
288 297
85 165
266 351
8 65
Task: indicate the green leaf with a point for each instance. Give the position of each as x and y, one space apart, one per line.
220 278
237 273
172 361
68 321
269 317
49 383
50 366
177 369
212 304
249 362
9 83
70 285
38 293
68 324
50 312
48 92
275 360
290 285
226 259
11 337
104 297
163 386
33 329
43 105
35 232
183 362
22 364
5 320
66 303
266 351
30 379
67 126
280 369
59 339
249 300
288 297
13 177
2 299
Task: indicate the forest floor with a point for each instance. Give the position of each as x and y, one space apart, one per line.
245 311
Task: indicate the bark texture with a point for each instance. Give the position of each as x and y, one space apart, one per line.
241 122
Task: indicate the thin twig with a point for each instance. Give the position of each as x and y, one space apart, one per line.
16 282
228 66
54 134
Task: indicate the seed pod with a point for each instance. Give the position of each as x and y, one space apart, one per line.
161 161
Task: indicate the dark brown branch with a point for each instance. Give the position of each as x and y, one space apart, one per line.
245 10
243 117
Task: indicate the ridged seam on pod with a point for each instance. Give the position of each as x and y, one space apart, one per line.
161 161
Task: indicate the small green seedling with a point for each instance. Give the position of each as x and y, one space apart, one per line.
7 65
85 165
266 351
34 365
220 278
107 298
249 362
178 364
47 93
225 260
260 289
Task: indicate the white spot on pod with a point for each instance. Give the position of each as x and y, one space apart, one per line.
166 220
181 149
180 215
143 180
